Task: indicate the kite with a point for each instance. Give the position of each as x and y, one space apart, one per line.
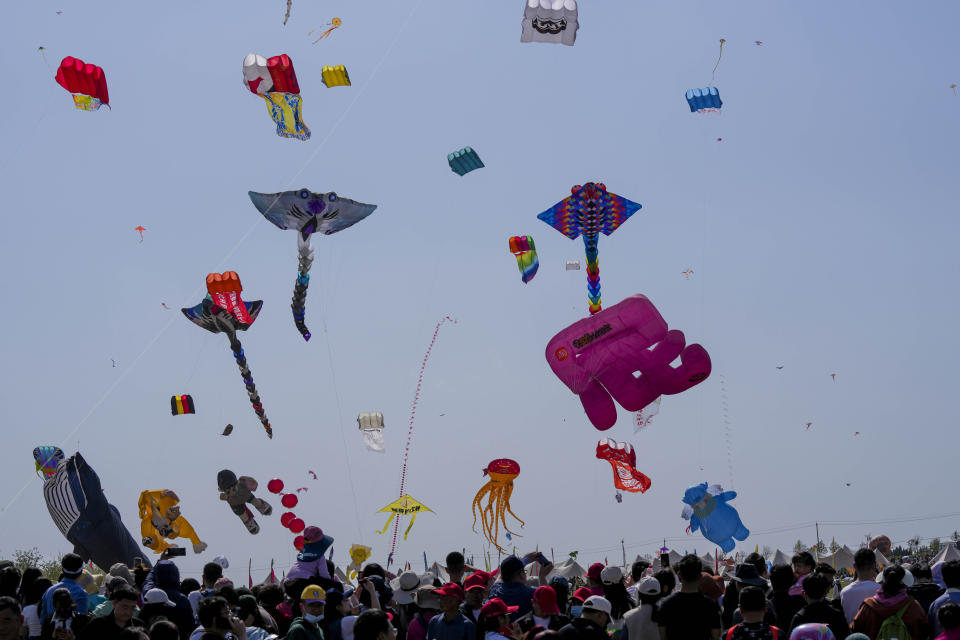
222 311
645 415
588 211
550 21
780 366
833 377
276 81
706 100
464 161
405 505
687 273
164 305
619 497
371 425
308 213
526 252
808 425
237 492
227 430
707 509
79 508
179 405
812 631
302 489
497 491
333 24
623 459
358 555
597 358
86 82
113 363
954 87
335 76
285 18
312 474
141 229
573 265
160 518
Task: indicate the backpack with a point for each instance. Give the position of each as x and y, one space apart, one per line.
774 631
894 628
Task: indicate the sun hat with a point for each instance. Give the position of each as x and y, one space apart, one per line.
598 603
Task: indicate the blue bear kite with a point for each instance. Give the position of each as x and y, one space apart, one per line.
707 509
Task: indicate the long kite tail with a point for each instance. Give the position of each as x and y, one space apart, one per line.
593 274
713 76
247 376
298 305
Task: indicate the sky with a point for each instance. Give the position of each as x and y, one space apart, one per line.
820 230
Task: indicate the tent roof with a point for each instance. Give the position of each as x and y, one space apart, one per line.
947 553
778 557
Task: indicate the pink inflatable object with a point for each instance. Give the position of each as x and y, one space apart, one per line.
597 357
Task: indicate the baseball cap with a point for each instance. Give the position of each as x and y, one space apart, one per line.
546 599
475 581
496 607
595 571
313 593
598 603
648 586
157 596
611 575
582 594
450 589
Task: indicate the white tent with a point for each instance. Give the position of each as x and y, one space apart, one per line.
842 559
568 568
674 559
947 553
778 557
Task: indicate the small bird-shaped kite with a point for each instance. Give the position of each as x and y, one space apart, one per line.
780 366
758 43
954 87
141 229
687 273
833 376
312 474
808 425
164 305
227 430
333 24
287 16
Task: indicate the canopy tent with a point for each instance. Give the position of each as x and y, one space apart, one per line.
568 569
842 559
778 557
674 559
947 553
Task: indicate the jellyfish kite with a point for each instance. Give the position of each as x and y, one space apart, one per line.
307 213
46 459
707 510
86 82
333 24
526 252
623 459
371 426
497 493
222 311
553 21
588 211
405 505
275 80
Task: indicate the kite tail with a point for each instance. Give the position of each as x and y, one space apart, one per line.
714 74
247 376
298 305
593 274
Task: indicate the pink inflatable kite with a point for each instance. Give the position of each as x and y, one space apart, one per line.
597 357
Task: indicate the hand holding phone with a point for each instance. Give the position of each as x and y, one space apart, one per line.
176 551
664 560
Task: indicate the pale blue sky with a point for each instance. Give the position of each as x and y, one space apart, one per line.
821 232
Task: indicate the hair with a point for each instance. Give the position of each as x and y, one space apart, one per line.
124 592
707 570
921 570
30 574
864 559
803 558
373 569
948 615
370 624
619 600
753 600
189 585
950 571
490 623
689 568
209 609
638 568
164 630
824 569
757 561
6 602
549 634
62 594
562 587
893 580
781 577
816 585
212 572
455 561
649 598
667 579
533 632
229 594
36 589
9 581
271 595
133 633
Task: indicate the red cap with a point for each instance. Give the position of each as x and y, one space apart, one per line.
594 571
582 594
450 589
546 599
476 580
496 607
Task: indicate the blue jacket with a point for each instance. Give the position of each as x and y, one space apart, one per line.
952 595
460 628
165 575
80 598
514 594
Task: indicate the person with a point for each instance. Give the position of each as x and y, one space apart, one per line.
592 623
950 573
667 579
746 575
948 619
512 588
166 576
616 594
156 607
891 600
545 612
688 614
803 565
71 566
562 587
924 589
9 581
455 567
109 627
815 589
31 612
164 630
212 571
853 595
474 594
373 624
258 627
753 605
495 621
65 618
428 606
450 624
595 578
576 601
216 621
312 602
637 570
11 620
781 579
638 623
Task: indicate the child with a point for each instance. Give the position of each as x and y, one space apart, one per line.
949 617
753 604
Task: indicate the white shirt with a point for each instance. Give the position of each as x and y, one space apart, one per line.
32 620
543 622
493 635
640 624
854 594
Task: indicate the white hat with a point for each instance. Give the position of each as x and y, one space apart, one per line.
404 587
648 586
907 576
611 575
157 596
598 603
222 561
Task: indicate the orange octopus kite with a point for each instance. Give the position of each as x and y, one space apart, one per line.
502 471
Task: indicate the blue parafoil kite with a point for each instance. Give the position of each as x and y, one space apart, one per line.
464 161
704 100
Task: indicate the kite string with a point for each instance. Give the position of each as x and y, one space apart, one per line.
413 416
714 74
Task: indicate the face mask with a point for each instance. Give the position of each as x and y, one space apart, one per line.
575 611
312 618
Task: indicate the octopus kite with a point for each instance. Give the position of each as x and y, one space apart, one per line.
333 24
497 492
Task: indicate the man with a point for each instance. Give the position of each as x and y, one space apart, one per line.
512 588
307 627
373 624
474 591
637 569
450 624
595 578
576 601
545 612
592 623
638 623
746 575
924 589
217 620
212 571
951 579
456 565
865 586
110 626
815 589
688 614
71 566
166 576
752 607
11 619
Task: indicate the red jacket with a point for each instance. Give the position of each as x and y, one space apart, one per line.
872 614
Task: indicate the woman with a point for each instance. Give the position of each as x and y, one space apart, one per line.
257 627
891 600
615 591
31 612
63 619
495 621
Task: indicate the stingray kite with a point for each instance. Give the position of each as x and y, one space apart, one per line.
86 82
588 211
222 311
275 80
497 492
405 505
308 213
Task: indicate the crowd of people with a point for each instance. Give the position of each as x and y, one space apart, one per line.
689 601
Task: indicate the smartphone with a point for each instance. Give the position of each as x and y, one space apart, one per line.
664 560
137 562
177 551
